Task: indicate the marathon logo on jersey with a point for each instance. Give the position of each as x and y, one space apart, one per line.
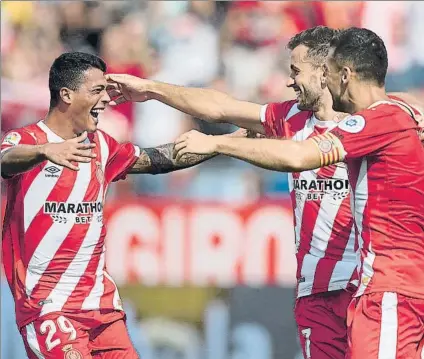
85 211
338 188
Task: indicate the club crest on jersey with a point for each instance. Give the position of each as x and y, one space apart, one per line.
352 124
325 146
71 353
99 172
13 138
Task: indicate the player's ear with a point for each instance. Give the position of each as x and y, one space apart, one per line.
324 69
346 74
66 95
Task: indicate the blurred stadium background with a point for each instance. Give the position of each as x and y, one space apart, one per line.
205 256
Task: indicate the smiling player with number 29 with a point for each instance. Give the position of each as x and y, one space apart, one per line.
57 172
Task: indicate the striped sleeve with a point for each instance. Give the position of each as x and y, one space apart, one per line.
274 118
13 139
122 157
17 137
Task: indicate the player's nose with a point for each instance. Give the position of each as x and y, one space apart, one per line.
105 98
290 82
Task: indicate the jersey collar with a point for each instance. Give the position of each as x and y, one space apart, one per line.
51 136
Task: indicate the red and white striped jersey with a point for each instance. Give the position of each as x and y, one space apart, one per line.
323 222
53 232
385 160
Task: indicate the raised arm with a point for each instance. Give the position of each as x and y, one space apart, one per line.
207 104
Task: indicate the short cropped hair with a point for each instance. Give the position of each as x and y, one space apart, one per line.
364 50
317 40
68 71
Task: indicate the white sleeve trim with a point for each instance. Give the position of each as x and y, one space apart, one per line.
294 110
263 113
137 151
7 149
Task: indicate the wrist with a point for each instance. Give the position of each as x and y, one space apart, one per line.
154 90
41 151
220 143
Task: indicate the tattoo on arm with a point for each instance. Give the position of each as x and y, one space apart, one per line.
159 160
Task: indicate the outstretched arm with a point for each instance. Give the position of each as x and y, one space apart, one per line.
273 154
159 160
207 104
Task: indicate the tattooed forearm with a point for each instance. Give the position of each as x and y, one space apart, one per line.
159 160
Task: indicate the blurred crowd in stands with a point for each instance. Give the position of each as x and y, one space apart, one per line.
233 46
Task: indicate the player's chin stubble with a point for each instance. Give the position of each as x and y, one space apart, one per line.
338 106
308 102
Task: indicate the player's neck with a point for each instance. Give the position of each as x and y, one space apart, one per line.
60 124
325 111
364 96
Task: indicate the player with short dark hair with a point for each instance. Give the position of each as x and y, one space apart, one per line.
324 230
68 70
365 52
317 40
57 172
385 161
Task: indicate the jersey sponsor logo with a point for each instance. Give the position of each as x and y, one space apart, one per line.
337 188
60 211
77 208
353 124
13 139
